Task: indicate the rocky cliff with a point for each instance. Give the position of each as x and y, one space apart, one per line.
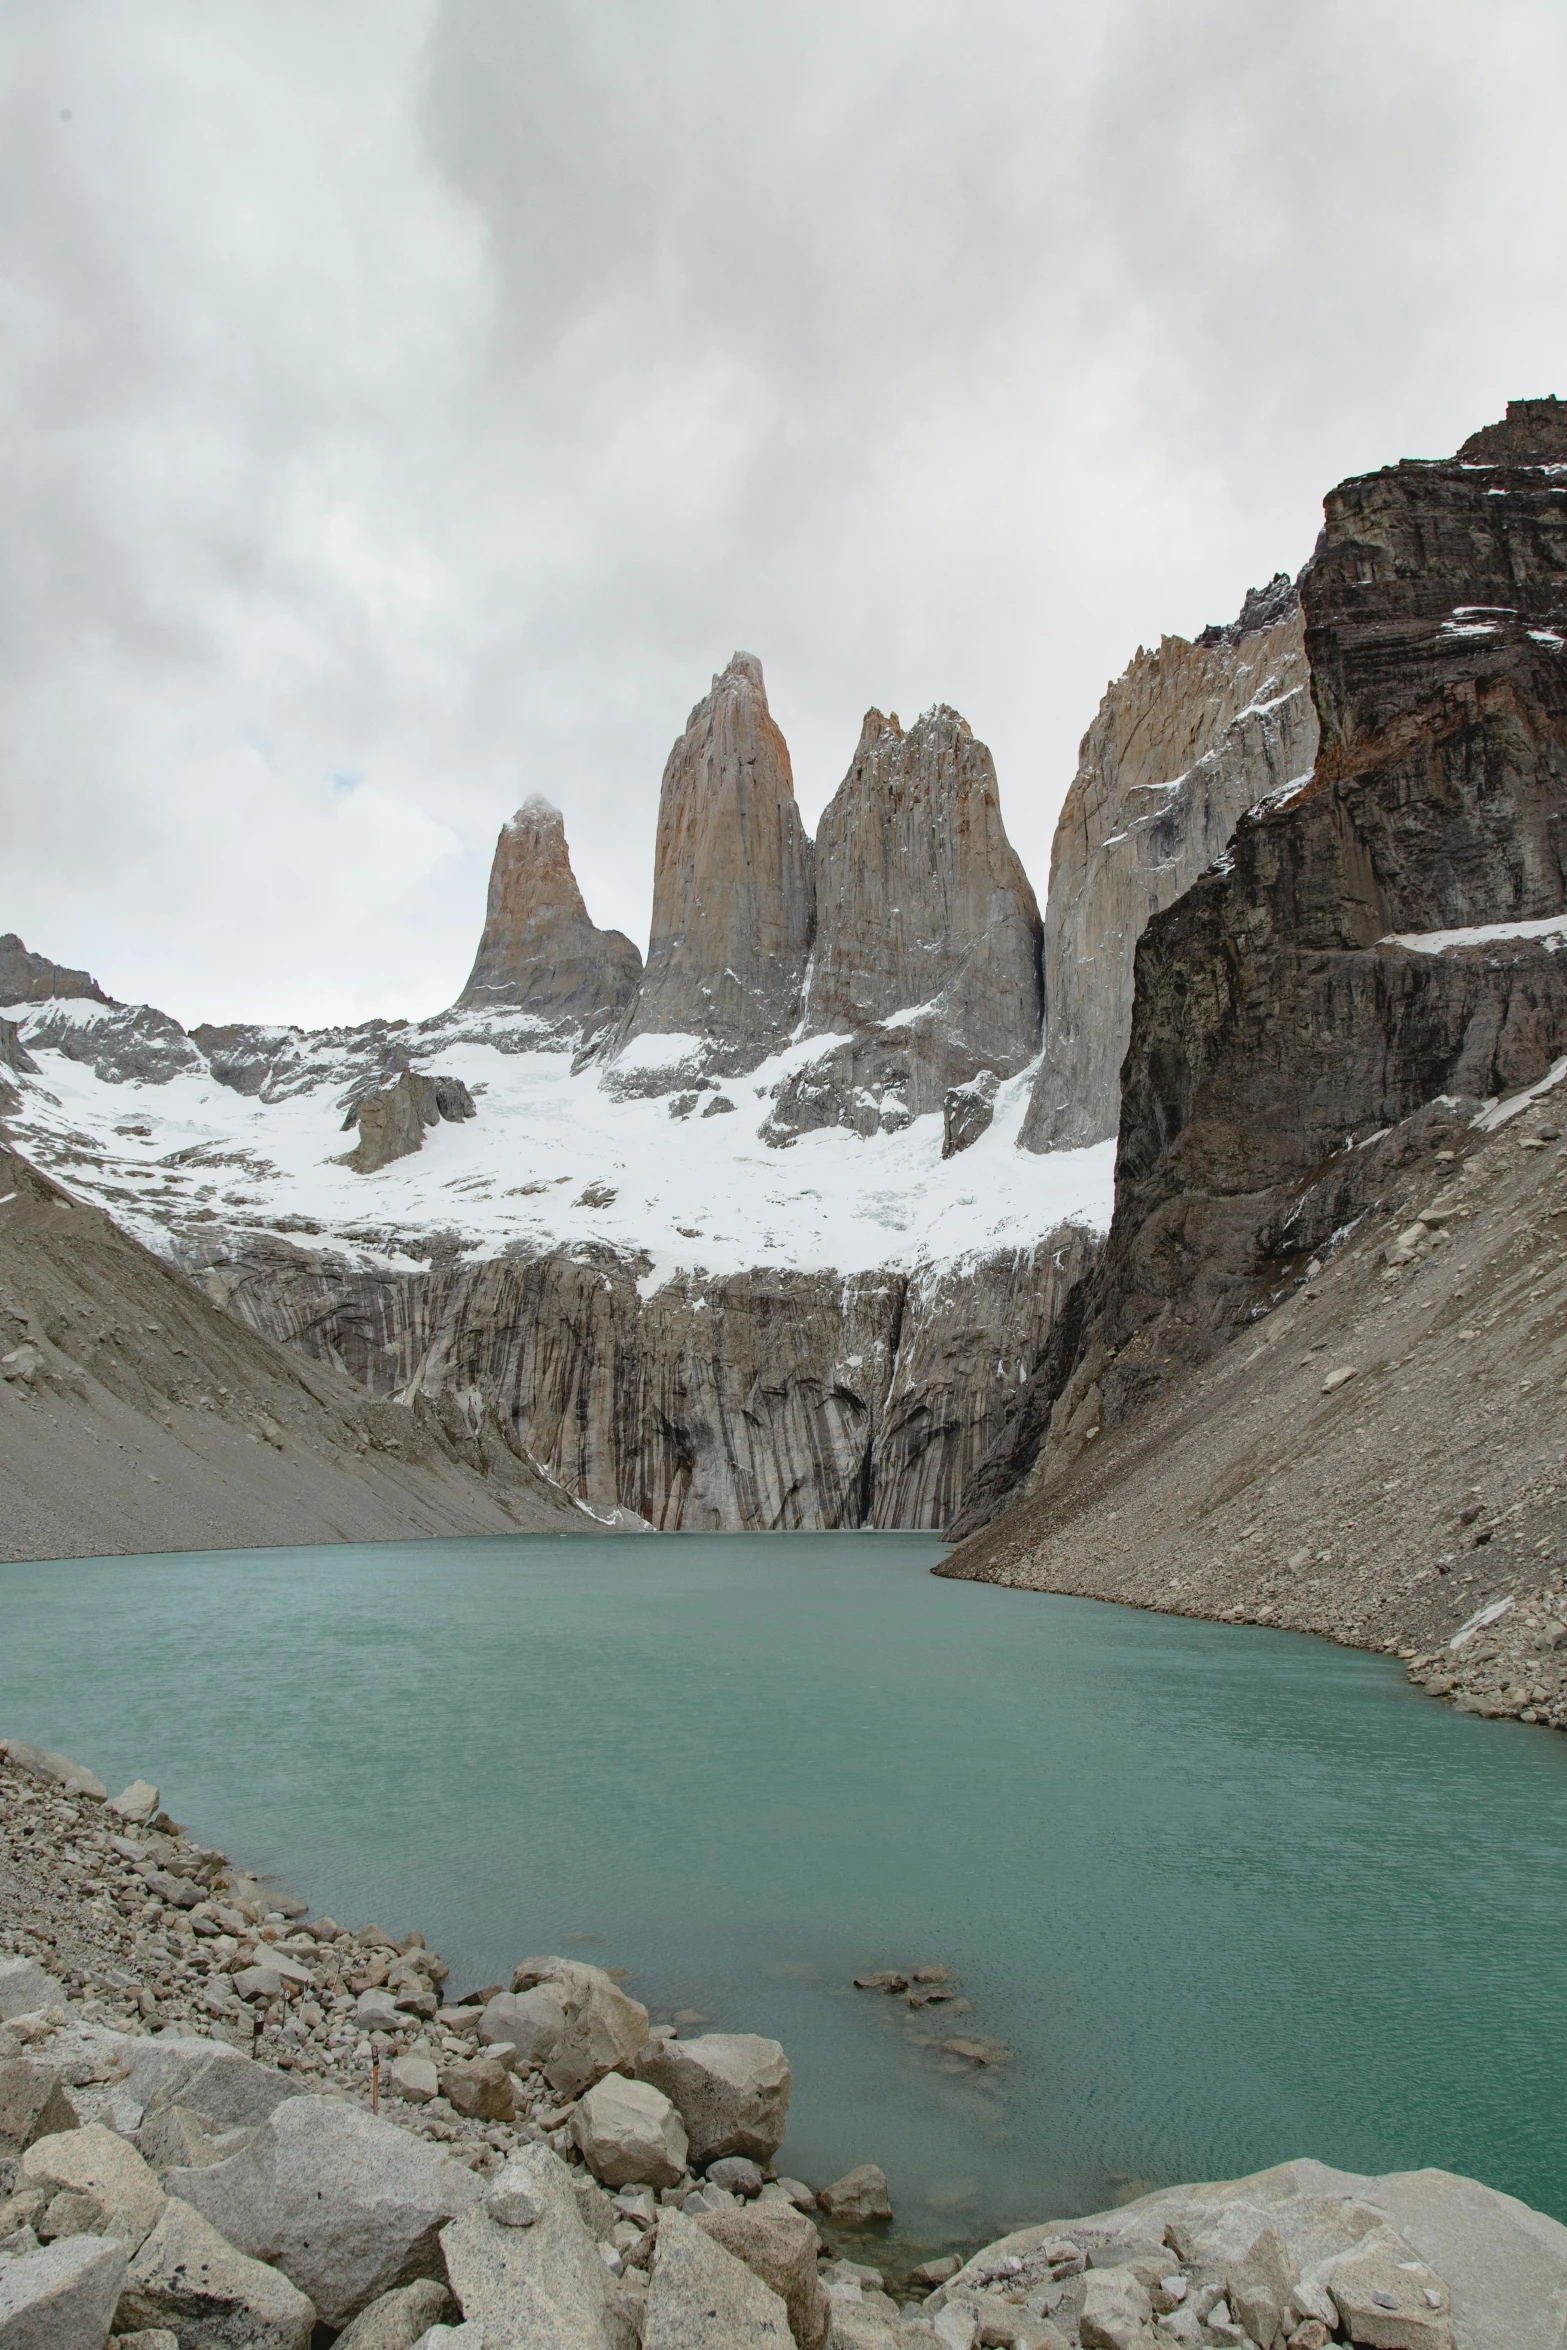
927 936
765 1399
539 954
33 979
1326 981
732 896
1187 740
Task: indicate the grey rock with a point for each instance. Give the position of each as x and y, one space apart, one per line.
54 1770
98 2162
629 2134
732 2090
1388 2301
136 1803
396 2320
33 2103
415 2078
604 2029
32 979
512 2203
149 2338
25 1987
738 2173
701 2297
967 1112
732 895
542 2287
1116 2311
191 2280
481 2091
532 2021
61 2297
209 2076
392 1120
1258 2284
540 955
858 2198
177 2137
376 2011
779 2246
346 2205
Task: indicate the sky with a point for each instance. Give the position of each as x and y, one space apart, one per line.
406 405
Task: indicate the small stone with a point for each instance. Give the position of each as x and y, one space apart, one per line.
375 2011
480 2089
414 2078
886 1981
512 2203
1339 1378
935 2272
858 2198
136 1803
738 2173
398 2319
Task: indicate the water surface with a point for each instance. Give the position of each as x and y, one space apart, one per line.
1229 1895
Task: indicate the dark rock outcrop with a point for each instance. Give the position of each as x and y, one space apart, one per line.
732 894
540 955
33 979
1187 740
927 940
1288 1008
763 1399
125 1044
392 1121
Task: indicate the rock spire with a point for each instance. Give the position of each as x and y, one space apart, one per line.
732 892
540 954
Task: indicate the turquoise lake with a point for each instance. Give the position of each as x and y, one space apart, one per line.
1228 1895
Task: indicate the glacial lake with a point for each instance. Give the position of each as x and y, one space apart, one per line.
1227 1895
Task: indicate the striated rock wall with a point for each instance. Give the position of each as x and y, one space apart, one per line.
767 1399
1304 997
32 979
539 953
733 903
1183 744
926 948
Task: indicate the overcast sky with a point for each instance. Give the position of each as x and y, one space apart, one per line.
406 405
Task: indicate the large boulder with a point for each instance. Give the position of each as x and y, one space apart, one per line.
25 1987
540 2286
61 2297
346 2205
53 1770
779 2246
701 2298
208 2076
33 2103
604 2029
532 2022
98 2162
629 2134
858 2198
732 2089
188 2278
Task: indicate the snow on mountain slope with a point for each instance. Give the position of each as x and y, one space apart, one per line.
551 1163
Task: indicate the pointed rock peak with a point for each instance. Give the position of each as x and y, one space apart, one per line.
537 814
942 721
540 953
744 668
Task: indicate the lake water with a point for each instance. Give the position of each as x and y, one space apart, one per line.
1228 1895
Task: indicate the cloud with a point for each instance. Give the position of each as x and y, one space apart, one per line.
433 392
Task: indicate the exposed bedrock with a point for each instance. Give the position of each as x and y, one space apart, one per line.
927 941
32 979
392 1121
1187 740
732 893
1281 1018
765 1399
539 953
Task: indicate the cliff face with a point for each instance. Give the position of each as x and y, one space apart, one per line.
539 954
926 947
767 1399
732 893
33 979
1308 995
1183 744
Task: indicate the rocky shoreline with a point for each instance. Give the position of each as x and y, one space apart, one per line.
225 2125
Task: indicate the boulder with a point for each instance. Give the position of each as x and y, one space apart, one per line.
416 2078
859 2197
778 2245
398 2319
480 2090
209 2076
61 2297
1259 2282
629 2134
53 1770
33 2103
137 1802
24 1988
538 2287
737 2174
1387 2301
179 2138
866 2320
1116 2311
603 2030
98 2162
732 2089
345 2204
190 2279
376 2011
701 2297
532 2021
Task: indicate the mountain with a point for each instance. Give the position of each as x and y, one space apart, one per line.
1184 742
732 898
33 979
539 954
1374 957
925 953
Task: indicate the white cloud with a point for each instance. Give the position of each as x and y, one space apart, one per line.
435 394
